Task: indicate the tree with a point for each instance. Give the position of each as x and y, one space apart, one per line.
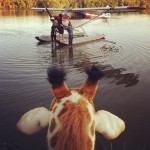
19 4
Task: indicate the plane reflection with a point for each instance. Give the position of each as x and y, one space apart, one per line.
66 56
119 77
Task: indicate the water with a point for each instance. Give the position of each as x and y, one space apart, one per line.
124 56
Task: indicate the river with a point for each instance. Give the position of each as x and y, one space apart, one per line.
124 56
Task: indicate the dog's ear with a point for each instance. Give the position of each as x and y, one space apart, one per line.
109 125
89 86
56 77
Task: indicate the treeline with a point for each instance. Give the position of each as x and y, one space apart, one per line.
26 4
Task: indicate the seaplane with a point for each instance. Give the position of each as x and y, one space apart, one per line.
90 14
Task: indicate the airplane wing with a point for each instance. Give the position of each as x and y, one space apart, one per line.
107 9
50 9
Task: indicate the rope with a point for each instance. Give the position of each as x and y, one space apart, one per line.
80 31
89 21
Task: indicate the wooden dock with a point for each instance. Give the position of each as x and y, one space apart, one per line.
47 38
81 40
78 39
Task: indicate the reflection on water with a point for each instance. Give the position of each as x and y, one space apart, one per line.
117 75
128 79
124 56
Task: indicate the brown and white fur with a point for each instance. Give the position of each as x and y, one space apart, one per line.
72 118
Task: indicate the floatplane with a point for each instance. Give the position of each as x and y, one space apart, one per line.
83 13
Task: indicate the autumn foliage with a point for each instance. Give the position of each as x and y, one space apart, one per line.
26 4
